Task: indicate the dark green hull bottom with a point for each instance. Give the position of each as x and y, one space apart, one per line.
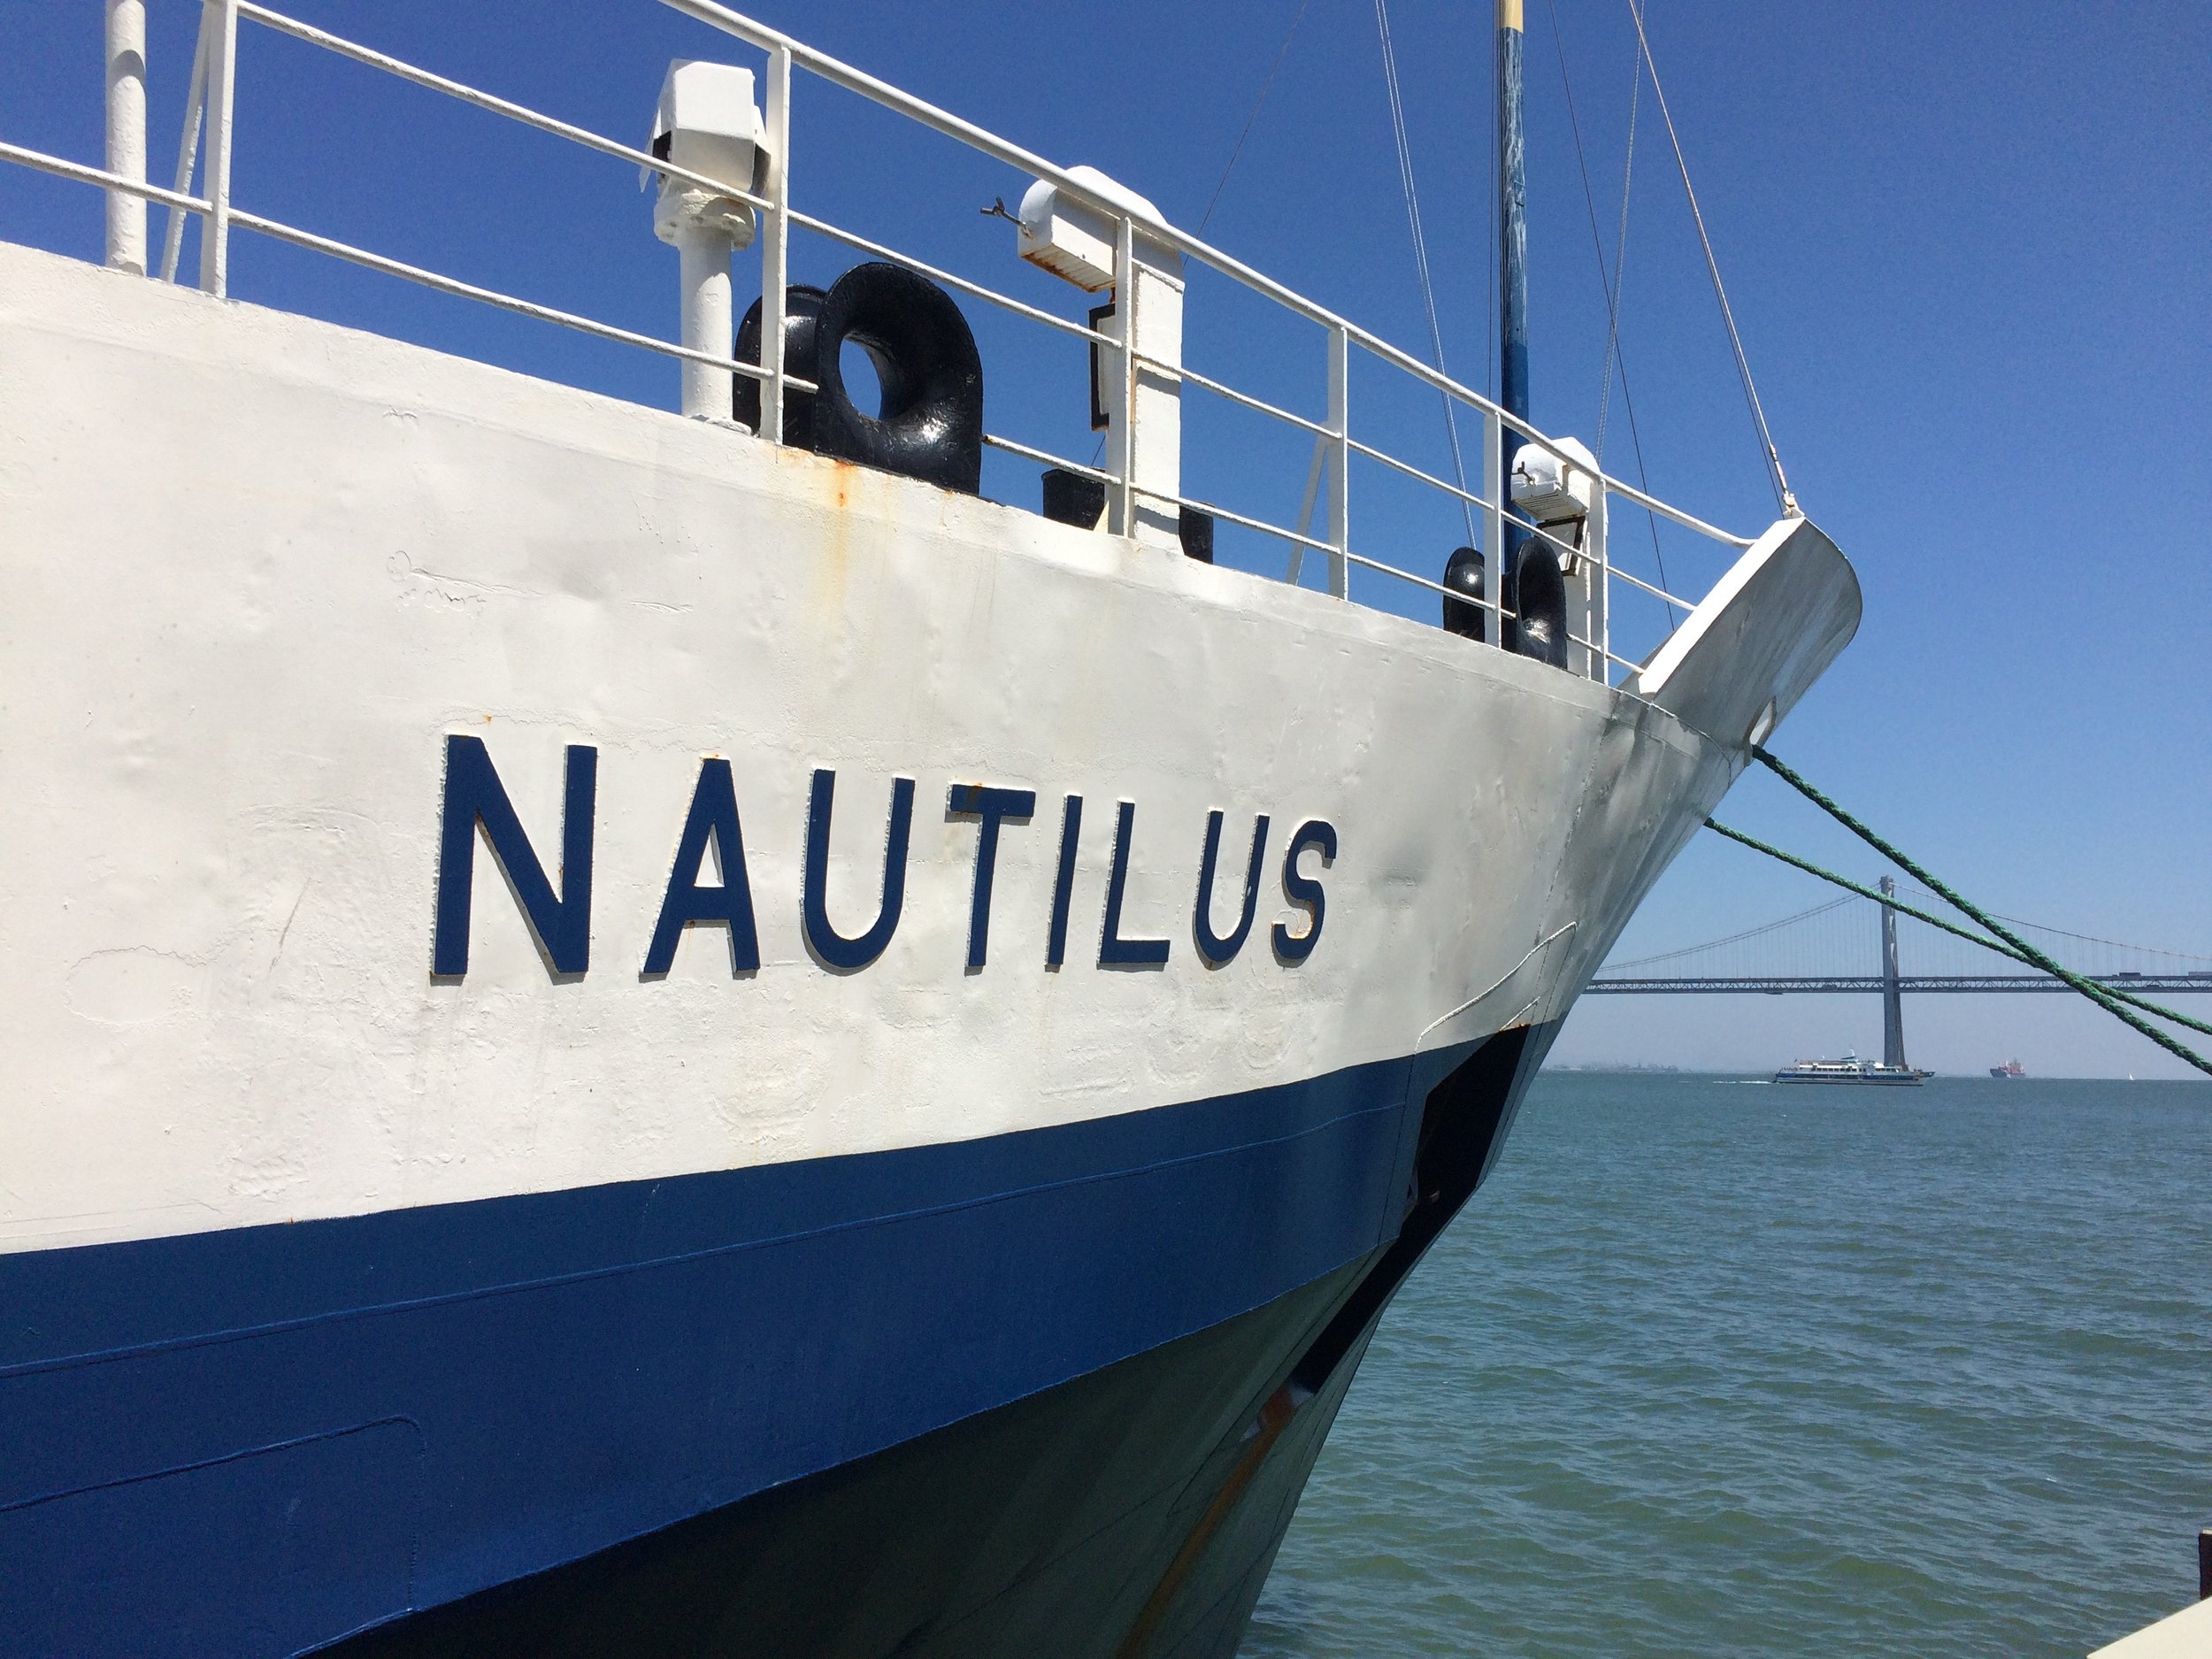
1133 1511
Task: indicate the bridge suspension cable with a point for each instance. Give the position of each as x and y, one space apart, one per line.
1733 939
2092 938
2100 994
1917 914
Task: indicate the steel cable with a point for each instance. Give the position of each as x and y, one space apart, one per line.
1782 493
1612 288
1420 247
1252 120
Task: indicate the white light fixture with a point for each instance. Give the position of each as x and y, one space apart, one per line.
706 124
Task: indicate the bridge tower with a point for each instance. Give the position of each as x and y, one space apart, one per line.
1893 993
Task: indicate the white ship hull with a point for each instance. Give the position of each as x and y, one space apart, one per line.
596 1251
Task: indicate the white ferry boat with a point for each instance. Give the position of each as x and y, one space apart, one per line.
1850 1069
636 1031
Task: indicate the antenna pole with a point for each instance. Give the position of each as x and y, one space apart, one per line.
1512 293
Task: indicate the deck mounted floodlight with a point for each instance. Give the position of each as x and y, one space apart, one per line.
706 124
1551 490
1074 239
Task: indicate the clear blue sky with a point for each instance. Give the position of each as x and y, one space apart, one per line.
1969 247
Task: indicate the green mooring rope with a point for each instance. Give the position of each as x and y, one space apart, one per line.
1895 903
2103 997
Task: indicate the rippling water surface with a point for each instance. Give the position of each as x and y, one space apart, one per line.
1718 1368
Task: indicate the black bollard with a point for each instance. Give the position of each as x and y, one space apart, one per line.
1195 531
2204 1564
1462 605
1074 498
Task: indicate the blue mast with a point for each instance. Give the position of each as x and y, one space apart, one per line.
1512 231
1536 594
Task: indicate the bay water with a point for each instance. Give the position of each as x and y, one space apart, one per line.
1718 1366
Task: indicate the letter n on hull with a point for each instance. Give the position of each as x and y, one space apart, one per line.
560 922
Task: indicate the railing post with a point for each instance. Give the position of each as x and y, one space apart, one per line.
126 133
1493 519
1600 531
222 74
775 243
1341 460
1121 518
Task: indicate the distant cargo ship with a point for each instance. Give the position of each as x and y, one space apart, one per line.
2011 1068
1850 1069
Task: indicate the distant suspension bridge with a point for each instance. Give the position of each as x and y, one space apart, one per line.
1838 946
1829 948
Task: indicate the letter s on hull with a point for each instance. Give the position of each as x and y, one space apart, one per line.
1304 890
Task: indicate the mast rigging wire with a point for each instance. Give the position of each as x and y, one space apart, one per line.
1620 252
1266 87
1613 290
1782 492
1421 250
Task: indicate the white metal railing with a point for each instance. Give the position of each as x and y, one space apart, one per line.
207 128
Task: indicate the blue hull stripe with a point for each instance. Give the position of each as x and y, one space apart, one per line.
255 1440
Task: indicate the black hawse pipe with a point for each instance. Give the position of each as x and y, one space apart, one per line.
1539 597
801 308
928 419
928 423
